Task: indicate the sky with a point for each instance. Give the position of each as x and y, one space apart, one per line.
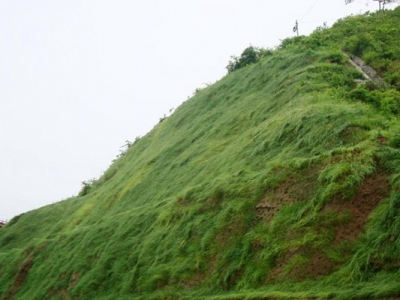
79 78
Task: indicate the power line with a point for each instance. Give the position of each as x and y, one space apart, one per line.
318 21
296 27
312 6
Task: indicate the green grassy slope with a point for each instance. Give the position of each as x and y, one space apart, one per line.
280 180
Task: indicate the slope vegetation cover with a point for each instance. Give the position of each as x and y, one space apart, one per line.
281 180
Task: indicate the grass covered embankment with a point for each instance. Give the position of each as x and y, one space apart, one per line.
281 180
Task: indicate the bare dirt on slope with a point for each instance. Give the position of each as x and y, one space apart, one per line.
21 276
295 188
368 196
356 211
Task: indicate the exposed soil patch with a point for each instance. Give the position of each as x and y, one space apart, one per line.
235 227
320 265
369 194
352 215
211 204
74 279
352 134
302 264
63 293
382 140
198 278
183 202
296 187
20 278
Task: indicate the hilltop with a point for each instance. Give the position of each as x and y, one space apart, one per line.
281 180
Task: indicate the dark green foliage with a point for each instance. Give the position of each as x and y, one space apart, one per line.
335 57
86 187
249 56
388 101
358 45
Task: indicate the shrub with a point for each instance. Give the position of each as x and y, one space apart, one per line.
250 55
358 45
387 101
361 93
86 187
390 102
289 42
335 57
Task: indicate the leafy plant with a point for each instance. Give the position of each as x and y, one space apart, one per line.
86 187
249 56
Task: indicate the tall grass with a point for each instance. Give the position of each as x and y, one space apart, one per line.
234 196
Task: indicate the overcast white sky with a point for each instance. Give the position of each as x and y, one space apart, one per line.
79 78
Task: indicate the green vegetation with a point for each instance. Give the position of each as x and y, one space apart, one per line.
281 180
249 56
373 37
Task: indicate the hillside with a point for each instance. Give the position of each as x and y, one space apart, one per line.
281 180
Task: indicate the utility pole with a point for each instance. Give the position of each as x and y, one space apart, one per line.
382 3
296 28
379 3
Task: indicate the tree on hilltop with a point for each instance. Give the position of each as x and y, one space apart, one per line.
249 56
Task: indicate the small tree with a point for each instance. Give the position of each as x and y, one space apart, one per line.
86 187
125 148
250 55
